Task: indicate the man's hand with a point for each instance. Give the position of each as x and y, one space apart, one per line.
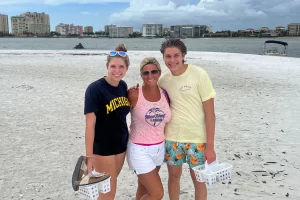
209 155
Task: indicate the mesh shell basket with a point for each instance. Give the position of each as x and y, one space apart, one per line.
104 186
219 173
92 191
225 174
89 191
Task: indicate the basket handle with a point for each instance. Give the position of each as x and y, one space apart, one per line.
211 165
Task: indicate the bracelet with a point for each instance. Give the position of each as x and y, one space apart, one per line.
89 156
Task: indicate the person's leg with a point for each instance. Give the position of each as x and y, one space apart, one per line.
120 158
174 157
152 183
141 190
110 165
200 188
137 158
174 181
194 159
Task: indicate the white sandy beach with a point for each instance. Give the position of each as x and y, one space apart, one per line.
42 123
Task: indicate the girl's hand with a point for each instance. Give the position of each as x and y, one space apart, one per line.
90 164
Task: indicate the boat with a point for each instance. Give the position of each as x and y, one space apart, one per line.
274 51
79 46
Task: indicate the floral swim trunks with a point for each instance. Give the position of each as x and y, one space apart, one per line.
178 153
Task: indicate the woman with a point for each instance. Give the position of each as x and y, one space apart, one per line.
190 133
106 107
149 114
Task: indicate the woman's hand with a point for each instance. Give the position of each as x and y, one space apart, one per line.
90 164
134 87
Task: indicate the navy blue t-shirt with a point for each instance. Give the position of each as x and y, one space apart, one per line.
110 105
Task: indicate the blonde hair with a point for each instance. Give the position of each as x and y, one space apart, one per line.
149 60
120 47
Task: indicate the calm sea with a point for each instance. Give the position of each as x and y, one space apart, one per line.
232 45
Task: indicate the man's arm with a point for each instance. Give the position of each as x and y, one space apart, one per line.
210 121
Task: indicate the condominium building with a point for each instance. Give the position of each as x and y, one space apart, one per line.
69 29
264 29
280 28
294 29
188 31
209 29
63 29
4 23
20 25
77 30
107 27
152 30
120 32
88 29
35 23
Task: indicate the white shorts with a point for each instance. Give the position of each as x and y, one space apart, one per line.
144 159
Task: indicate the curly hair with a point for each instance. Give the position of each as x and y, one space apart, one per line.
173 42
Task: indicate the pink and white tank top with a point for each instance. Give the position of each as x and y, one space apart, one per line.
148 120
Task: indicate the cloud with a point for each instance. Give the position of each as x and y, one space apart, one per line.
221 14
206 12
285 7
57 2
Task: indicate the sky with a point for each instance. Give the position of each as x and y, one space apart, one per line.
220 14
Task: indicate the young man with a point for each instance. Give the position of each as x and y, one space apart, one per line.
190 133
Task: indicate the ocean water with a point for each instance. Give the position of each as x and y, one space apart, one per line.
231 45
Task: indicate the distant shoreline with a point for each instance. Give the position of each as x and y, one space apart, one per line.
103 37
88 52
230 45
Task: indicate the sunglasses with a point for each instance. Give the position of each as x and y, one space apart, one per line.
145 73
120 53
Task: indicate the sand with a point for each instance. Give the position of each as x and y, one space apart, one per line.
42 123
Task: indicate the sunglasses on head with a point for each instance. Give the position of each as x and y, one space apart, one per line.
115 53
155 71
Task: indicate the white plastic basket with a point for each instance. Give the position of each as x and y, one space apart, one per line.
89 191
92 191
213 173
104 186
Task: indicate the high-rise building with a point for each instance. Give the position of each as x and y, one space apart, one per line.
107 27
152 30
188 31
77 30
294 29
209 29
280 28
88 29
35 23
4 24
63 29
120 32
66 29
